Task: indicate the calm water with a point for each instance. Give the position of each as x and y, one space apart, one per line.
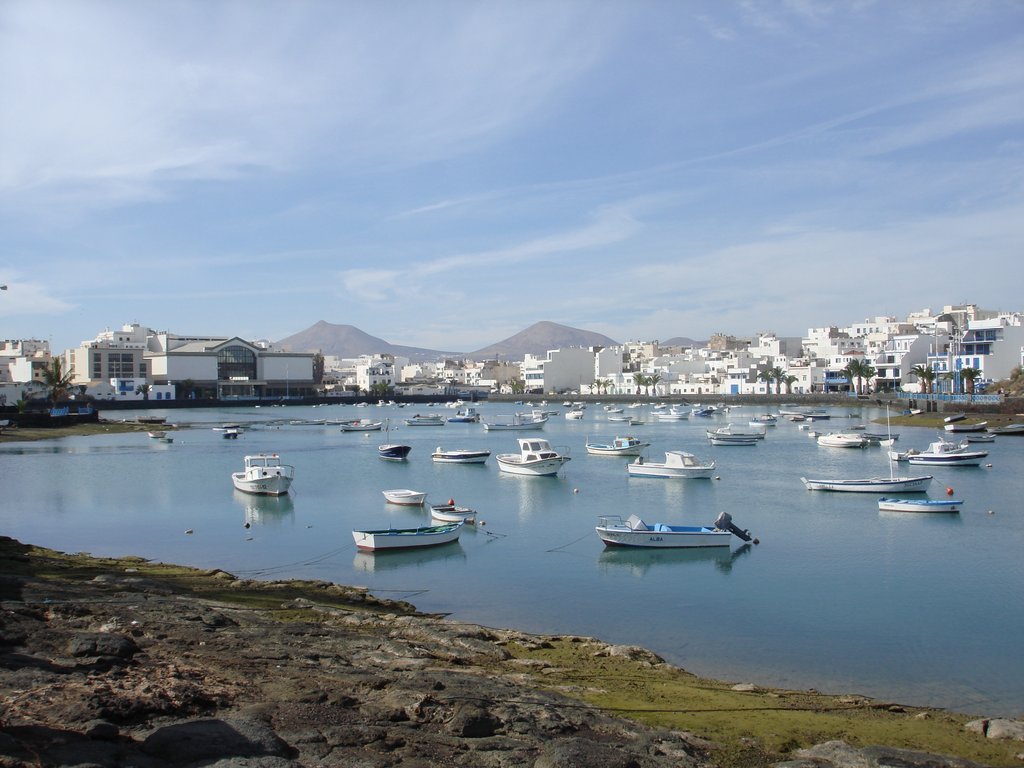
922 609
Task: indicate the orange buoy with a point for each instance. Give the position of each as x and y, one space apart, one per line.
949 491
451 502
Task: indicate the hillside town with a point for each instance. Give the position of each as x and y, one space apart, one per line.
960 351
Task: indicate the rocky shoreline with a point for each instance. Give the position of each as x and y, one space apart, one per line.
126 662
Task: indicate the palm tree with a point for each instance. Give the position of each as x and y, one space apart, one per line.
143 389
868 371
767 376
789 381
518 386
640 380
779 375
653 380
925 374
969 376
187 387
57 380
853 372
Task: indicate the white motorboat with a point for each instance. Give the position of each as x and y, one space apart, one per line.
405 497
459 456
516 421
535 457
264 473
842 440
620 446
1009 429
764 420
677 464
871 485
634 532
392 451
919 505
407 538
981 437
575 413
673 414
944 453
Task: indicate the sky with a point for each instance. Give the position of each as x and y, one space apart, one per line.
444 174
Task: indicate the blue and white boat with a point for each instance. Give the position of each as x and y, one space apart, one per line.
634 532
677 464
944 453
620 446
886 504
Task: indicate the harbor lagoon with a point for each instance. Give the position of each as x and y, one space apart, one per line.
923 609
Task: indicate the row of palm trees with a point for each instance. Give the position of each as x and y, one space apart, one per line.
929 376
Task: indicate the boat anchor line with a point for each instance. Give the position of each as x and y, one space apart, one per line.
574 541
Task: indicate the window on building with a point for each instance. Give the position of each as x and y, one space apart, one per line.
236 363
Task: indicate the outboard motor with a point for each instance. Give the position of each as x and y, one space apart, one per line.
724 523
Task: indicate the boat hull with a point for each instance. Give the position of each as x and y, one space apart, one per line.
393 452
514 465
406 538
971 459
451 513
664 537
919 505
660 470
871 485
460 457
405 497
273 485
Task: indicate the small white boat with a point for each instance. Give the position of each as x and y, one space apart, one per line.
948 454
963 426
842 440
955 417
452 513
919 505
361 425
264 473
981 437
734 439
156 434
575 413
764 420
406 538
620 446
673 414
459 456
871 485
535 458
430 420
613 409
634 532
230 433
677 464
405 497
516 421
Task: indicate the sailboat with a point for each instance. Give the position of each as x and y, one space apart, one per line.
392 451
892 484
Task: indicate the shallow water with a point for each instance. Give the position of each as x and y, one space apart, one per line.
922 609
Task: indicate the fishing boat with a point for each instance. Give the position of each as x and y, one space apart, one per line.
919 505
677 464
964 426
156 434
944 453
981 437
673 414
361 425
842 440
406 538
516 421
575 414
405 497
871 484
620 446
263 473
715 437
392 451
429 420
732 431
459 456
764 420
1009 429
535 458
465 415
452 513
634 532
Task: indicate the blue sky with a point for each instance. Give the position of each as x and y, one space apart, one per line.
444 174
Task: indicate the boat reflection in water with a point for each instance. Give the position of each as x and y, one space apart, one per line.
265 510
636 561
397 559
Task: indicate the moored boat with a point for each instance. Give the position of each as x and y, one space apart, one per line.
405 497
452 513
467 414
919 505
620 446
944 453
1009 429
634 532
842 440
263 473
965 426
516 421
361 425
677 464
871 484
406 538
536 457
392 451
429 420
459 456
